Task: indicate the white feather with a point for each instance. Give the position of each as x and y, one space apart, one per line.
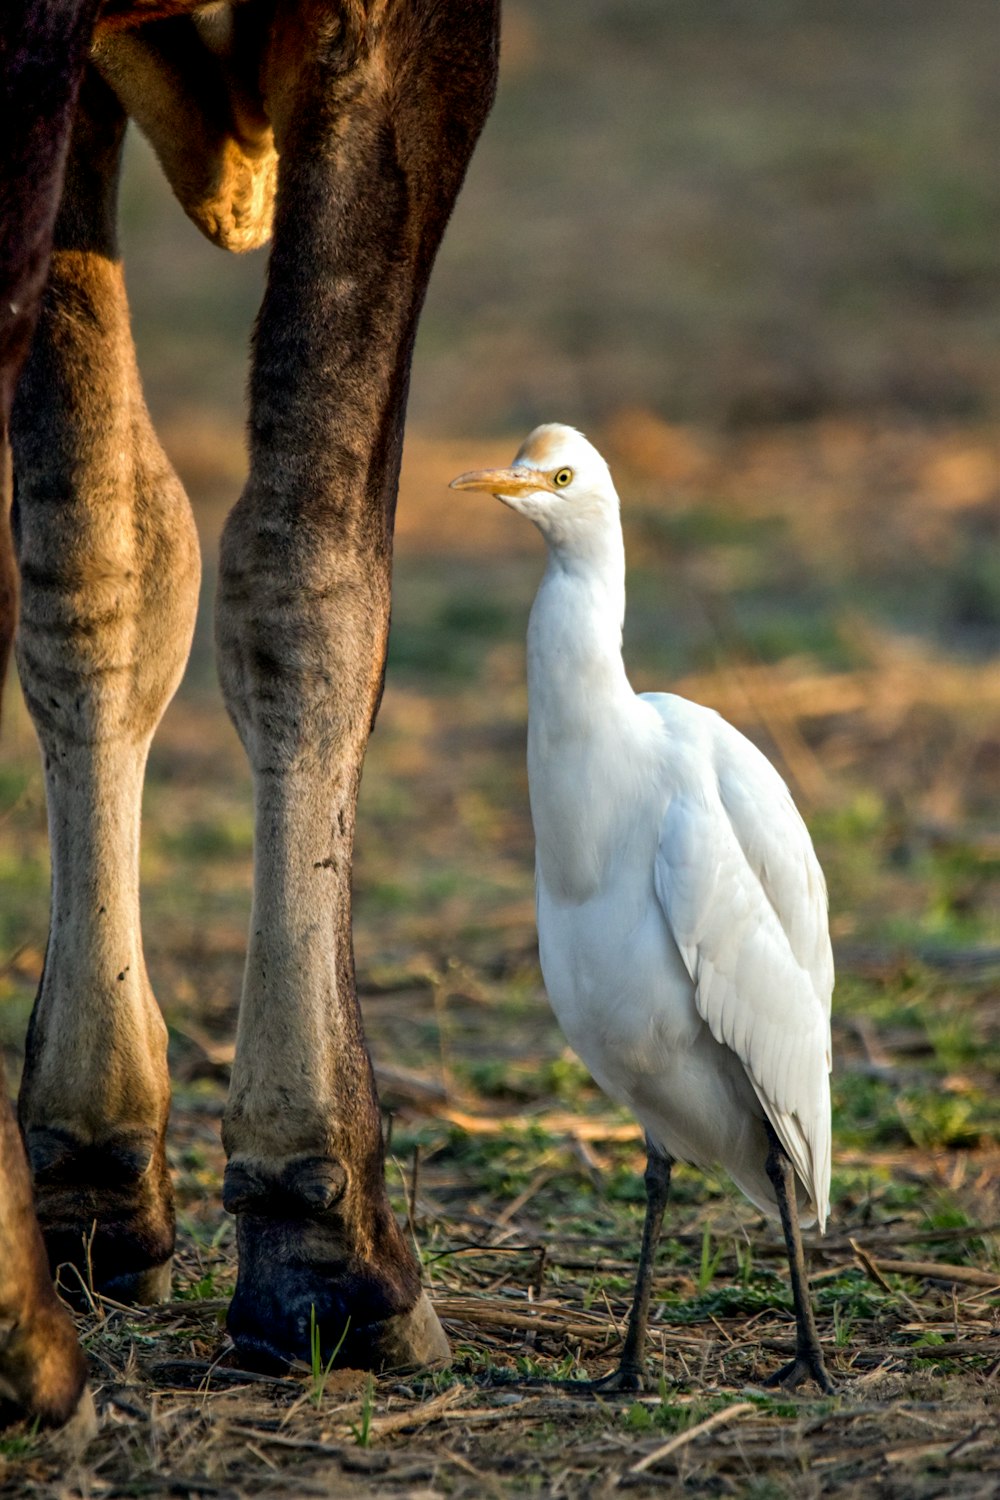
682 913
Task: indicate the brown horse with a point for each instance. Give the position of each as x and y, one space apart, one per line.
342 129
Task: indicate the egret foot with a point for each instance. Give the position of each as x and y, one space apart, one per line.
630 1374
807 1365
627 1378
106 1208
808 1362
302 1276
620 1381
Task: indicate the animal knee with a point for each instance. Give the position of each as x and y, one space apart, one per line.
190 84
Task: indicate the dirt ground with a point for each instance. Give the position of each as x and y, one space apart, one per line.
762 275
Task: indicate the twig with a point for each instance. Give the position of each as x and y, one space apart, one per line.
417 1416
525 1196
308 1445
717 1419
940 1271
562 1124
870 1267
203 1368
543 1319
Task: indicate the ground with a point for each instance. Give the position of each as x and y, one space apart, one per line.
812 545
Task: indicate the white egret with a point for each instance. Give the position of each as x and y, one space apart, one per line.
682 913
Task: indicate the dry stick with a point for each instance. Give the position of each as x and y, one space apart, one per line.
872 1270
916 1452
939 1271
417 1416
309 1445
561 1124
718 1419
486 1482
411 1199
950 1349
595 1333
525 1196
205 1369
829 1245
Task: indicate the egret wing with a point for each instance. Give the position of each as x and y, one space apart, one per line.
745 901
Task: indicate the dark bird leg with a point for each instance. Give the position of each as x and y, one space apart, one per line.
630 1372
808 1361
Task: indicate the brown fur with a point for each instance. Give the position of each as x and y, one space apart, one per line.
42 1368
363 117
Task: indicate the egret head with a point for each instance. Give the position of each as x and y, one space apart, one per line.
558 480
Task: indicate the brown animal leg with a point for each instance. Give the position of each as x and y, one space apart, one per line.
42 1368
109 576
375 120
40 67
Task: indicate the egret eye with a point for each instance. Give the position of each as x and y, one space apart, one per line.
561 478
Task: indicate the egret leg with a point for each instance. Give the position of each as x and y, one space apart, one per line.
808 1362
631 1367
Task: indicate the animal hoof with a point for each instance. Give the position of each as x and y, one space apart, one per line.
140 1288
106 1212
298 1289
411 1340
43 1371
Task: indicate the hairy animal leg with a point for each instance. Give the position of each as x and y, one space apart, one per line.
43 1371
109 577
808 1362
40 67
630 1374
375 120
42 1367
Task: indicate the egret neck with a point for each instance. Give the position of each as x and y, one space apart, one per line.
582 761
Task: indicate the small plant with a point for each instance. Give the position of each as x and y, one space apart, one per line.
20 1444
321 1371
842 1327
362 1429
744 1261
638 1418
568 1368
709 1263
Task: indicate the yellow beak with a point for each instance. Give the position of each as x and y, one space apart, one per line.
519 480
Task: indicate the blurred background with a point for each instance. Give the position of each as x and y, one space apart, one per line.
752 251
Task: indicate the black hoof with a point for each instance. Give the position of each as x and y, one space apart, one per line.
106 1212
295 1300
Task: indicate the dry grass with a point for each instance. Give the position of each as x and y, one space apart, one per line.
916 1368
521 1186
777 226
